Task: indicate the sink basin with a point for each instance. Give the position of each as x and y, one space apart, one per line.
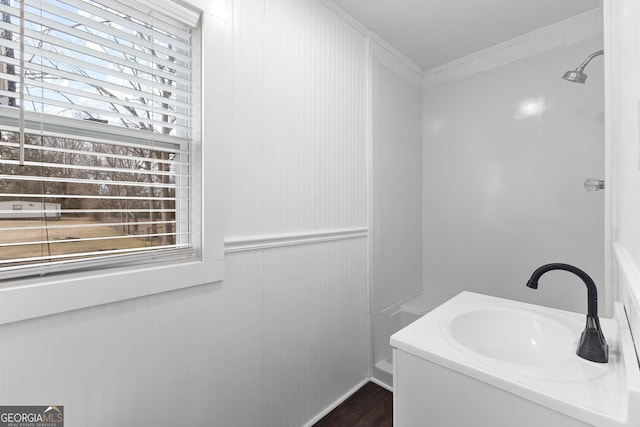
524 339
511 363
518 336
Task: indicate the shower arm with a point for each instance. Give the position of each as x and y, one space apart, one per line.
589 58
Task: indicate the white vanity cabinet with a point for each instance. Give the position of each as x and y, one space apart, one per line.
427 394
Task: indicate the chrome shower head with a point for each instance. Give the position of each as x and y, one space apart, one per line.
578 75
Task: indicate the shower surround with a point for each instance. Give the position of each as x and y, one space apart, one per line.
506 152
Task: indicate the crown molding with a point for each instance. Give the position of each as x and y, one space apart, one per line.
564 33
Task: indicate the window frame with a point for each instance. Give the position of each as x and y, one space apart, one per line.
31 297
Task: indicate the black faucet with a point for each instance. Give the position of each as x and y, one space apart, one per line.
592 345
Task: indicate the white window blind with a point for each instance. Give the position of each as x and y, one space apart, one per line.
95 134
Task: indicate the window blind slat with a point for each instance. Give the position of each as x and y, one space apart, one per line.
88 239
53 166
95 135
53 73
119 55
90 197
101 15
88 152
77 211
7 94
87 181
106 113
67 128
182 56
175 112
102 254
79 226
91 59
170 11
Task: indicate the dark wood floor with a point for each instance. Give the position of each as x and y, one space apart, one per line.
371 406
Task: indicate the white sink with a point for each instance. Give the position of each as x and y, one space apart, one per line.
496 349
524 339
522 336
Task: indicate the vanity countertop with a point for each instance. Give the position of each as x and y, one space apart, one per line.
601 394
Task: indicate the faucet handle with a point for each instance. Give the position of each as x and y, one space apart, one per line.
593 184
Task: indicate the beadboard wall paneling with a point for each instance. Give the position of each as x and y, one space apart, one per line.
244 152
283 337
298 169
622 53
298 155
315 110
315 328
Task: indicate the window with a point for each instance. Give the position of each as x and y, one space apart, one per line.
103 147
96 109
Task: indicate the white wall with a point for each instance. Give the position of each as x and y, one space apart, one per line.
622 53
396 211
506 152
397 179
287 332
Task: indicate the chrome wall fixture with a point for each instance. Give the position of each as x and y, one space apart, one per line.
593 184
578 75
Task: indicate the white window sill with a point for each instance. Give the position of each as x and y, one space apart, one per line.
29 298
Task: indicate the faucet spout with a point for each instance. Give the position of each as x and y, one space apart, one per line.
592 290
592 345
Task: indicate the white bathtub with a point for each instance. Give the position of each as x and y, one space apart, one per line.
391 321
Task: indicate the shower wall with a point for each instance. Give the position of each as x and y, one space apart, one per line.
505 155
396 213
623 133
397 179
